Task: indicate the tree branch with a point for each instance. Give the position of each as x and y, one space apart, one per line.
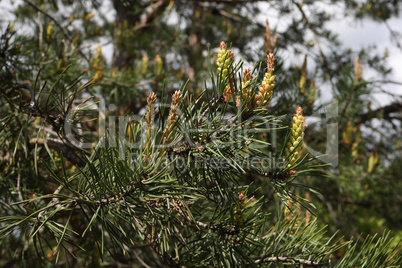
60 146
288 260
229 1
388 82
65 31
382 112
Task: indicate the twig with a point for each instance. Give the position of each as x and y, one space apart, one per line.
230 230
55 200
393 36
350 95
314 31
388 82
229 16
382 112
212 103
288 260
317 40
381 133
40 33
229 1
150 17
115 198
59 146
156 247
330 209
63 29
141 261
19 181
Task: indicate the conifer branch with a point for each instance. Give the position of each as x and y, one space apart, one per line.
59 146
288 260
65 31
382 112
229 1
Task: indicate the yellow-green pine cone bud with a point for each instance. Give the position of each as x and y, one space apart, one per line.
266 89
245 85
158 65
98 56
311 95
267 86
89 16
302 82
227 93
12 24
225 59
358 70
167 133
149 120
49 33
373 160
296 136
144 63
246 90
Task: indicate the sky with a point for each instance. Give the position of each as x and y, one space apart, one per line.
362 34
355 35
351 34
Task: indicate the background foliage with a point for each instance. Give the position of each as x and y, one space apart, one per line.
73 206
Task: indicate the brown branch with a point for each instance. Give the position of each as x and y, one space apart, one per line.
140 260
150 17
382 112
115 198
55 201
19 182
394 36
214 101
229 16
229 1
230 230
388 82
348 100
59 146
25 94
382 134
288 260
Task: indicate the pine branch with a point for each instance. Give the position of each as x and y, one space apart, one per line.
155 245
230 230
229 1
65 31
165 256
150 17
59 146
55 201
56 120
288 260
140 259
382 112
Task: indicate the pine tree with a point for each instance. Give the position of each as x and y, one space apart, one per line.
175 154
